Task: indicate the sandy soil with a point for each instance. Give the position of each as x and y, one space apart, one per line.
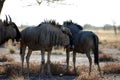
81 59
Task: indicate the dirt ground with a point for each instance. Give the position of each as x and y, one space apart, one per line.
81 59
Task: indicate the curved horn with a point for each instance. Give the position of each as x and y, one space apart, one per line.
10 18
6 20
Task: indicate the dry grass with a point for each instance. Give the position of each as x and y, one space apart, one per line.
12 49
82 68
13 69
86 76
57 68
2 70
108 68
108 39
111 68
83 73
17 78
5 58
12 46
112 45
106 57
107 35
58 51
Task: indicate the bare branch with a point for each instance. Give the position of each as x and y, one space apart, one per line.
39 2
48 1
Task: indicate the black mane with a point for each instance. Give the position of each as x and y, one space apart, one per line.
52 22
72 23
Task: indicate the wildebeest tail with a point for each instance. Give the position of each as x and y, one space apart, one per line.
96 53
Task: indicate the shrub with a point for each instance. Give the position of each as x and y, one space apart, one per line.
106 57
86 76
82 68
83 71
2 70
5 58
13 69
111 68
57 68
17 78
12 51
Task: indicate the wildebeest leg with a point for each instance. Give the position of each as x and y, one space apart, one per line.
27 60
99 69
67 60
42 74
90 61
22 54
48 64
74 61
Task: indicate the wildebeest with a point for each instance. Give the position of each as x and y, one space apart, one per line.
43 37
82 42
8 30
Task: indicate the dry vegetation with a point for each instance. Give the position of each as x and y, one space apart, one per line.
12 70
86 76
6 58
107 39
106 57
110 68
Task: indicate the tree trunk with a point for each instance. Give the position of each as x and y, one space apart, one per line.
115 30
1 5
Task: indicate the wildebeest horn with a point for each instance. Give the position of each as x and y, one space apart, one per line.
10 18
6 19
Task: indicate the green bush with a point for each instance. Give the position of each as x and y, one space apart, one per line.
12 51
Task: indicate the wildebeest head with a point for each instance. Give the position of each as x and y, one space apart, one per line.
66 37
66 30
12 31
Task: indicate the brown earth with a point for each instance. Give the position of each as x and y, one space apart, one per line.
81 59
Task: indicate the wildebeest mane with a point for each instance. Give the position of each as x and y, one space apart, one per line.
52 22
70 22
